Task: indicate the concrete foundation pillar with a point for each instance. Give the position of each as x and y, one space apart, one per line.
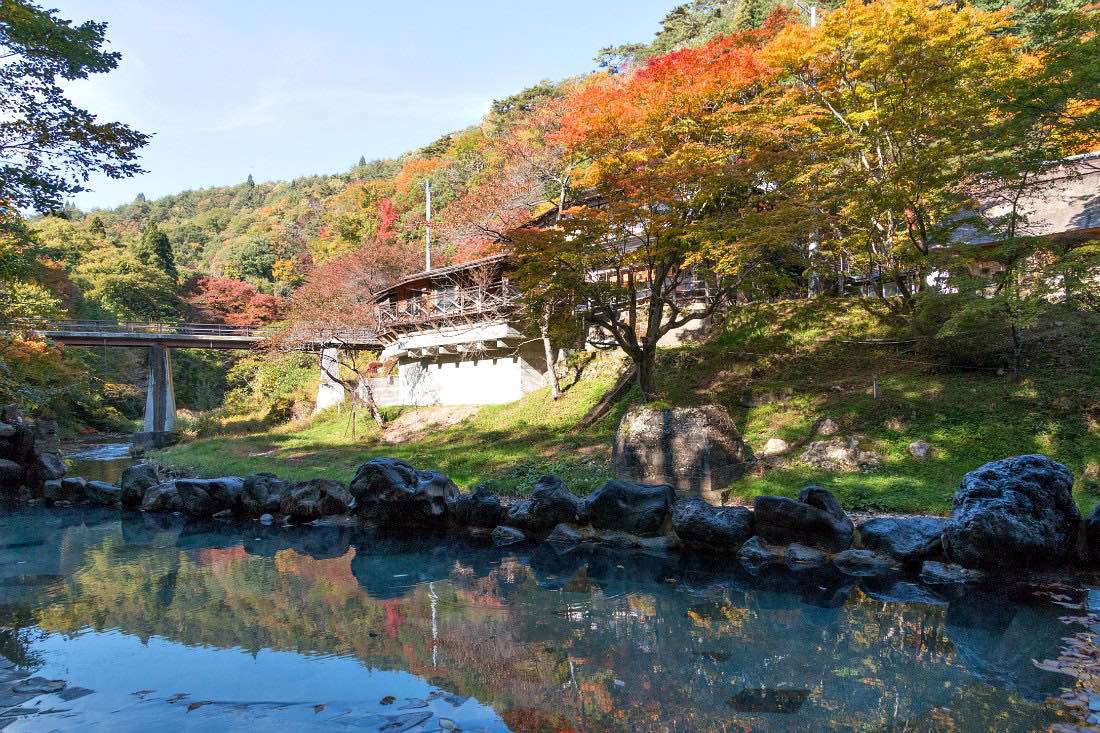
160 395
329 391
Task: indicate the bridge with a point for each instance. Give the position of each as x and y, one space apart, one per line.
160 337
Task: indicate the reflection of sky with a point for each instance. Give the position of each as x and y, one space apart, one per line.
281 688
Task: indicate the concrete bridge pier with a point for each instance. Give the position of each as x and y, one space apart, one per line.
160 394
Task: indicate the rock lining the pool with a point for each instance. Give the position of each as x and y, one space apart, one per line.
1009 515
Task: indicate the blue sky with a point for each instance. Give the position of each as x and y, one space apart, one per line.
281 89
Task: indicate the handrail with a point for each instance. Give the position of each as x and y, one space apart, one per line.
446 302
143 328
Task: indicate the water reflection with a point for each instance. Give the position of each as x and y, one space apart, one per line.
219 626
102 462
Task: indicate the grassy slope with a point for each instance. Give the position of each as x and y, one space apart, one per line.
797 351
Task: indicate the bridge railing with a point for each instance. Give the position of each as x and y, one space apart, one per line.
142 328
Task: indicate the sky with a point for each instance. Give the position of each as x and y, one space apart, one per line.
282 89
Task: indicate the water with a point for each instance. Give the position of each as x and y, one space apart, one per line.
102 462
155 624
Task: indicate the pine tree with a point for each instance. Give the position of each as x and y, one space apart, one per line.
250 183
98 227
362 162
155 250
751 14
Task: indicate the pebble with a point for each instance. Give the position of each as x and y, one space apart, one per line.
266 519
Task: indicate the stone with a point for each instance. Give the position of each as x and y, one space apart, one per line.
46 467
137 479
906 539
756 553
482 508
391 492
227 492
920 449
1090 479
696 450
775 447
826 426
815 519
839 454
504 536
894 590
864 563
102 493
568 535
262 493
640 509
52 492
11 475
1014 513
310 500
934 572
266 519
6 431
804 556
700 524
551 503
194 498
162 497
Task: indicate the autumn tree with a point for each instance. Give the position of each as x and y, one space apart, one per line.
212 299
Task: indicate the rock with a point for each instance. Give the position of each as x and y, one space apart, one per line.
894 590
864 563
266 519
69 489
805 556
1014 513
262 493
102 493
51 491
756 553
906 539
700 524
391 492
551 504
639 509
310 500
162 497
839 454
568 535
697 450
504 536
11 475
921 450
759 399
816 519
227 492
1090 479
6 431
775 447
137 479
194 497
482 508
46 467
826 426
938 573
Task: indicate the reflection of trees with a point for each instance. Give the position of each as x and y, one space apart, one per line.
590 640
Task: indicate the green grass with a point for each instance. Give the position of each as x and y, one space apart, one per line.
801 352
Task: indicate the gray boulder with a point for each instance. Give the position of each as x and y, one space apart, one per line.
807 557
839 454
933 572
163 497
568 535
700 524
102 493
227 492
551 503
262 493
194 497
640 509
815 519
1013 513
906 539
46 467
11 475
864 563
696 450
6 431
391 492
482 508
137 479
756 553
505 536
310 500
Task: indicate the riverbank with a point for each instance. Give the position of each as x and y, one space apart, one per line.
780 370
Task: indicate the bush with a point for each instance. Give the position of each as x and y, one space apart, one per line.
962 331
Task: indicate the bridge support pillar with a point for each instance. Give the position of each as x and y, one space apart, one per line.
160 395
329 391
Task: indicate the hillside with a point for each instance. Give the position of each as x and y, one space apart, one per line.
779 369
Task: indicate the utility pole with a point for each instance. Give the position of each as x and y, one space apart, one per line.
427 226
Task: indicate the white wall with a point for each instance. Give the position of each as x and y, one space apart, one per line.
489 379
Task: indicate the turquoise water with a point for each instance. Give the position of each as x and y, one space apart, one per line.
154 624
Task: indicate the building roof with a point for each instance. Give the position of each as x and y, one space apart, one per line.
1063 200
430 275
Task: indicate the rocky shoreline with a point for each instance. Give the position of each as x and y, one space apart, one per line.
1009 517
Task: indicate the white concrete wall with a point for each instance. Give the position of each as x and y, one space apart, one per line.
491 378
329 391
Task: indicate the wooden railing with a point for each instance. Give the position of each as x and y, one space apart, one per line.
477 302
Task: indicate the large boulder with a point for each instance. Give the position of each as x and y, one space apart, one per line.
1014 513
391 492
550 504
139 478
482 508
101 493
864 563
756 554
46 467
639 509
310 500
162 497
227 492
262 494
815 519
696 450
11 475
505 536
700 524
906 539
194 497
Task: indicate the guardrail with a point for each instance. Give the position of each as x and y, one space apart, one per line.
143 328
444 303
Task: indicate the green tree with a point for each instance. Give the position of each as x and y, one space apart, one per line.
48 145
155 250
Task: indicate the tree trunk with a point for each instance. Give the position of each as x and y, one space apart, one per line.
372 406
646 365
548 350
